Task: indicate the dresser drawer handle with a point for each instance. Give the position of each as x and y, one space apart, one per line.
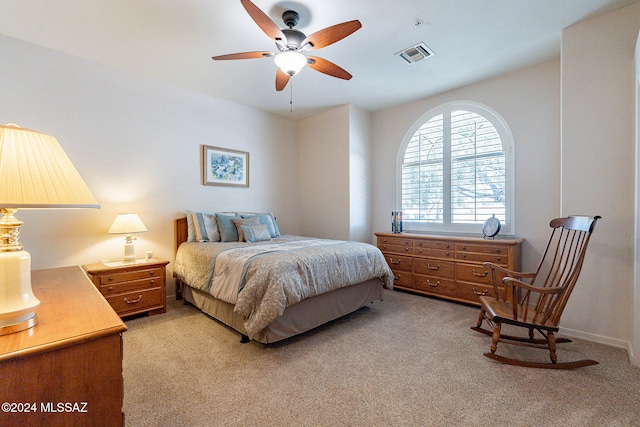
420 250
473 270
397 277
433 285
498 250
133 302
436 267
110 288
391 261
481 294
384 240
406 249
110 278
152 273
420 244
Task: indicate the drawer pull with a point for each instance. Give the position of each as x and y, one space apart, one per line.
391 261
110 279
384 247
473 270
152 273
433 285
384 240
436 267
498 258
110 288
481 294
133 302
406 249
397 277
420 250
498 250
420 244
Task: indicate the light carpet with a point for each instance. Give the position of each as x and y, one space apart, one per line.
405 361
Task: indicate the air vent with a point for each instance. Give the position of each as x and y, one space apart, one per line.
415 53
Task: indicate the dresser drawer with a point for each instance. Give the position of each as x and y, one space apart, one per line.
399 263
434 253
402 278
483 249
136 301
395 248
481 258
476 273
434 284
433 267
473 291
119 287
109 278
394 241
433 244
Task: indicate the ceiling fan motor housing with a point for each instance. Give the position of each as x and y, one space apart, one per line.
290 18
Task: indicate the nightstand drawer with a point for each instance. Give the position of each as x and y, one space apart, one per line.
120 287
130 275
140 300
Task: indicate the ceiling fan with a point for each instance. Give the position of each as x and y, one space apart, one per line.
291 43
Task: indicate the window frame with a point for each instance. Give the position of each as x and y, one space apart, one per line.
507 140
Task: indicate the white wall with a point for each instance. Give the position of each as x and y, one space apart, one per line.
136 142
598 167
529 101
324 174
360 174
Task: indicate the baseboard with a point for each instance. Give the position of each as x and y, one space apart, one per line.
600 339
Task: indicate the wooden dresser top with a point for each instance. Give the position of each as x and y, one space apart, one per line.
71 311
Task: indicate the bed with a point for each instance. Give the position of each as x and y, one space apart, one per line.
271 305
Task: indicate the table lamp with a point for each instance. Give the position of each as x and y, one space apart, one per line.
127 223
35 173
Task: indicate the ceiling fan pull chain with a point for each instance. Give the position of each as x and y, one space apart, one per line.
291 97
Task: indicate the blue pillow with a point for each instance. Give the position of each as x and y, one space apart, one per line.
228 230
269 220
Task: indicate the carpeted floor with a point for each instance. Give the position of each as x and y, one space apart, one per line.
405 361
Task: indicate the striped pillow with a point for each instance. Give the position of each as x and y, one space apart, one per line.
205 228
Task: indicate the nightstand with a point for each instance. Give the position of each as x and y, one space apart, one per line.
133 288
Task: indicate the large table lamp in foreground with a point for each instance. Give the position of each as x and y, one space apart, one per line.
35 173
127 223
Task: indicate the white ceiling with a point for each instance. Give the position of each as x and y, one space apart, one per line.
173 41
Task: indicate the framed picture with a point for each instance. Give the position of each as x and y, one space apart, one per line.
221 166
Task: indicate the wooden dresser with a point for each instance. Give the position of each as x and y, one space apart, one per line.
132 288
447 266
67 370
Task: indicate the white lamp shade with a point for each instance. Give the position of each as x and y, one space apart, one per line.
290 62
126 223
35 172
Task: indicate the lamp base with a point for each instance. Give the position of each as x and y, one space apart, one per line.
20 326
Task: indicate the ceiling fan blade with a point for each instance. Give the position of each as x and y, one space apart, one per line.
331 34
264 22
243 55
327 67
282 79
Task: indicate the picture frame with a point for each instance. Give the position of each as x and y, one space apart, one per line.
222 166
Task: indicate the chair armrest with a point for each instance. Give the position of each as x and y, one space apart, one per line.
513 282
509 273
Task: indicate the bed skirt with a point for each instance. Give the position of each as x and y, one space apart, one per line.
298 318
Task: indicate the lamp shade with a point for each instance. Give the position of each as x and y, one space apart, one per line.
291 62
126 223
35 172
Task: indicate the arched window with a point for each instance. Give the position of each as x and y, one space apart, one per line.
456 170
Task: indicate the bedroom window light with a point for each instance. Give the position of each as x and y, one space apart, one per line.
455 170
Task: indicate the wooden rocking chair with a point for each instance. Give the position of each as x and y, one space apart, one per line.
537 304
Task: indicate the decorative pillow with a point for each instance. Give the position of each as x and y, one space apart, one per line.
205 227
255 233
245 221
202 227
226 227
267 219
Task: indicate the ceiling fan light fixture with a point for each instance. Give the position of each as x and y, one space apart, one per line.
290 62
